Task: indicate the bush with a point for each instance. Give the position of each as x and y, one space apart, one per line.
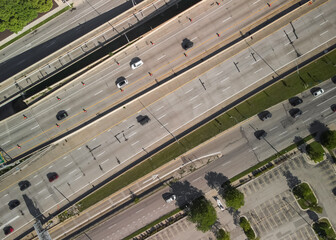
315 151
245 225
328 139
222 235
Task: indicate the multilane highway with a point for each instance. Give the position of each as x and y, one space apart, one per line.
79 168
100 92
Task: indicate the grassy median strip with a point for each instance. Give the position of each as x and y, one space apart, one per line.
313 74
35 27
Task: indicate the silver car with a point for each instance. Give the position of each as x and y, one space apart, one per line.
137 64
121 82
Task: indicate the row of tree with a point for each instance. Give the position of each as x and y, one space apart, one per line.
16 14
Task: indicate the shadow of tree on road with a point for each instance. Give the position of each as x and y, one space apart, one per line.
316 128
184 192
215 180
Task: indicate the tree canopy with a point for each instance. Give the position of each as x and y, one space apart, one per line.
328 139
15 14
233 197
203 214
222 235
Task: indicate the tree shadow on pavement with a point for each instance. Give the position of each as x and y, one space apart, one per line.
184 192
235 215
300 143
215 180
316 128
313 215
292 181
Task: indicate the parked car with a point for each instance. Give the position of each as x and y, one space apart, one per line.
219 203
24 185
61 115
260 134
317 91
264 115
295 112
186 44
143 119
8 229
170 198
294 101
333 107
121 82
136 63
13 204
52 176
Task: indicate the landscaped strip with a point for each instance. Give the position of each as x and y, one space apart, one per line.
315 152
313 74
246 226
306 198
35 27
324 230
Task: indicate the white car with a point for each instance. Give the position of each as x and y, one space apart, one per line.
219 203
171 198
318 92
137 64
122 83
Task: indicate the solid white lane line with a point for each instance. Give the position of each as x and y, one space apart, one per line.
306 120
133 133
47 197
159 108
72 172
318 15
197 106
256 2
98 92
196 179
77 177
305 111
326 101
68 164
282 133
226 19
324 22
38 183
6 142
258 70
134 143
225 79
325 110
41 191
105 161
323 33
273 128
226 89
129 75
219 73
193 39
290 52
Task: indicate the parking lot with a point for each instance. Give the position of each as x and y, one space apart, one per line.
271 207
182 229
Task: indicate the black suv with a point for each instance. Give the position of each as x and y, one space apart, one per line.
260 134
24 185
295 112
61 115
142 119
264 115
294 101
186 44
13 204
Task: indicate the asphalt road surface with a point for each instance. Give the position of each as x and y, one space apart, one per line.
59 32
78 169
100 91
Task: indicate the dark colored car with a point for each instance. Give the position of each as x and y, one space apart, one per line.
52 176
333 107
8 229
294 101
13 204
186 44
295 112
264 115
260 134
24 185
61 115
143 119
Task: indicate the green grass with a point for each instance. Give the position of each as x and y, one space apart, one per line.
152 224
315 151
305 197
278 92
324 230
35 27
245 225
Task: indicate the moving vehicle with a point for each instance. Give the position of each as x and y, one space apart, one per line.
121 82
136 63
186 44
260 134
294 101
143 119
24 185
264 115
295 112
333 107
171 198
61 115
13 204
317 91
8 229
52 176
